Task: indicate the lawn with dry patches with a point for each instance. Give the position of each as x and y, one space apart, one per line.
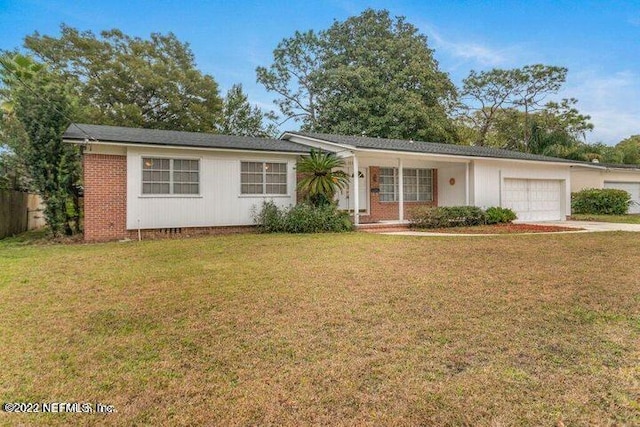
349 329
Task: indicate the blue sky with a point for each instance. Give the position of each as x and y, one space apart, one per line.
598 41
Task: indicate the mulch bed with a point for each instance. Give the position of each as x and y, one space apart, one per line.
503 229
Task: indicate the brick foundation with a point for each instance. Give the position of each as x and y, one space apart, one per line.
173 233
105 197
389 211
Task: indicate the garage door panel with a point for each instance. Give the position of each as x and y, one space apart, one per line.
533 199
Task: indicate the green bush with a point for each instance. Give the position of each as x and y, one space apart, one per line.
600 201
453 216
302 218
498 215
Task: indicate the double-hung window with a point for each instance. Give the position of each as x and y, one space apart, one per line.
263 178
170 176
417 185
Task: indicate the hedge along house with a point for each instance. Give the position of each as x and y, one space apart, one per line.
141 181
536 187
146 182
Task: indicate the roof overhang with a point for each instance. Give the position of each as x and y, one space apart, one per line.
87 142
343 148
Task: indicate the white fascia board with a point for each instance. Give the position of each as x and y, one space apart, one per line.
608 168
315 142
182 147
455 158
590 166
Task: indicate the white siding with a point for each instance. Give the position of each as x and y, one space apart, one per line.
451 195
595 178
219 202
489 177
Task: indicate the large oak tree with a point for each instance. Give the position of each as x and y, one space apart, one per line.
370 75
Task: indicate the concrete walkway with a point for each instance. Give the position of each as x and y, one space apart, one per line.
586 226
592 225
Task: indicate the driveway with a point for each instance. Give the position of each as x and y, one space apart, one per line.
586 226
592 225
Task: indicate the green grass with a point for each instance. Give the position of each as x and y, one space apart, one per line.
346 329
626 219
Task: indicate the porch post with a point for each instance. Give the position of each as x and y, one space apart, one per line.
466 189
400 191
356 191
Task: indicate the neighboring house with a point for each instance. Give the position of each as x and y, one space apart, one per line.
142 181
598 175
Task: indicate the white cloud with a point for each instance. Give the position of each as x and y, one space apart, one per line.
611 101
468 51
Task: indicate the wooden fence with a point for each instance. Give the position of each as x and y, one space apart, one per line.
19 212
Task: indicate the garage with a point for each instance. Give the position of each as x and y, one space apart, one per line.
632 188
534 199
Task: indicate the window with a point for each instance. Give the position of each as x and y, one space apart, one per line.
170 176
417 185
263 178
388 184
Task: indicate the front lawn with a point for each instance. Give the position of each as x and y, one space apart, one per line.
627 219
341 329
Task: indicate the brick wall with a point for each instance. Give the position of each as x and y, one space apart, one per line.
105 197
381 211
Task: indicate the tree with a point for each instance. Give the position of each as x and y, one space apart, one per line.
489 93
535 83
15 70
129 81
369 75
241 119
294 77
629 149
320 177
54 167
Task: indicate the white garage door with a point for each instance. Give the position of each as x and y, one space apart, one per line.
632 188
534 199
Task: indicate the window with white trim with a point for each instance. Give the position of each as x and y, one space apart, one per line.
417 185
170 176
263 178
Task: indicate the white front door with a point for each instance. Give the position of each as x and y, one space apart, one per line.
345 197
534 199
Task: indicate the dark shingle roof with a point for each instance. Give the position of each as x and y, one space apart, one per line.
178 138
427 147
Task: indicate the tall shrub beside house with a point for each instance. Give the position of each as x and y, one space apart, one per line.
600 201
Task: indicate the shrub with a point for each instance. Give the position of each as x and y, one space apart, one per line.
498 215
600 201
454 216
302 218
269 218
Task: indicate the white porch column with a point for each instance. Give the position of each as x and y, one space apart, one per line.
400 191
466 183
356 191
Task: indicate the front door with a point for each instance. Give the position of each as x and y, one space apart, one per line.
345 197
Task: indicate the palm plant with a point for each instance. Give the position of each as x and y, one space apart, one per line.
320 177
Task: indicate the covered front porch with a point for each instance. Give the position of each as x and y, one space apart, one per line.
389 186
